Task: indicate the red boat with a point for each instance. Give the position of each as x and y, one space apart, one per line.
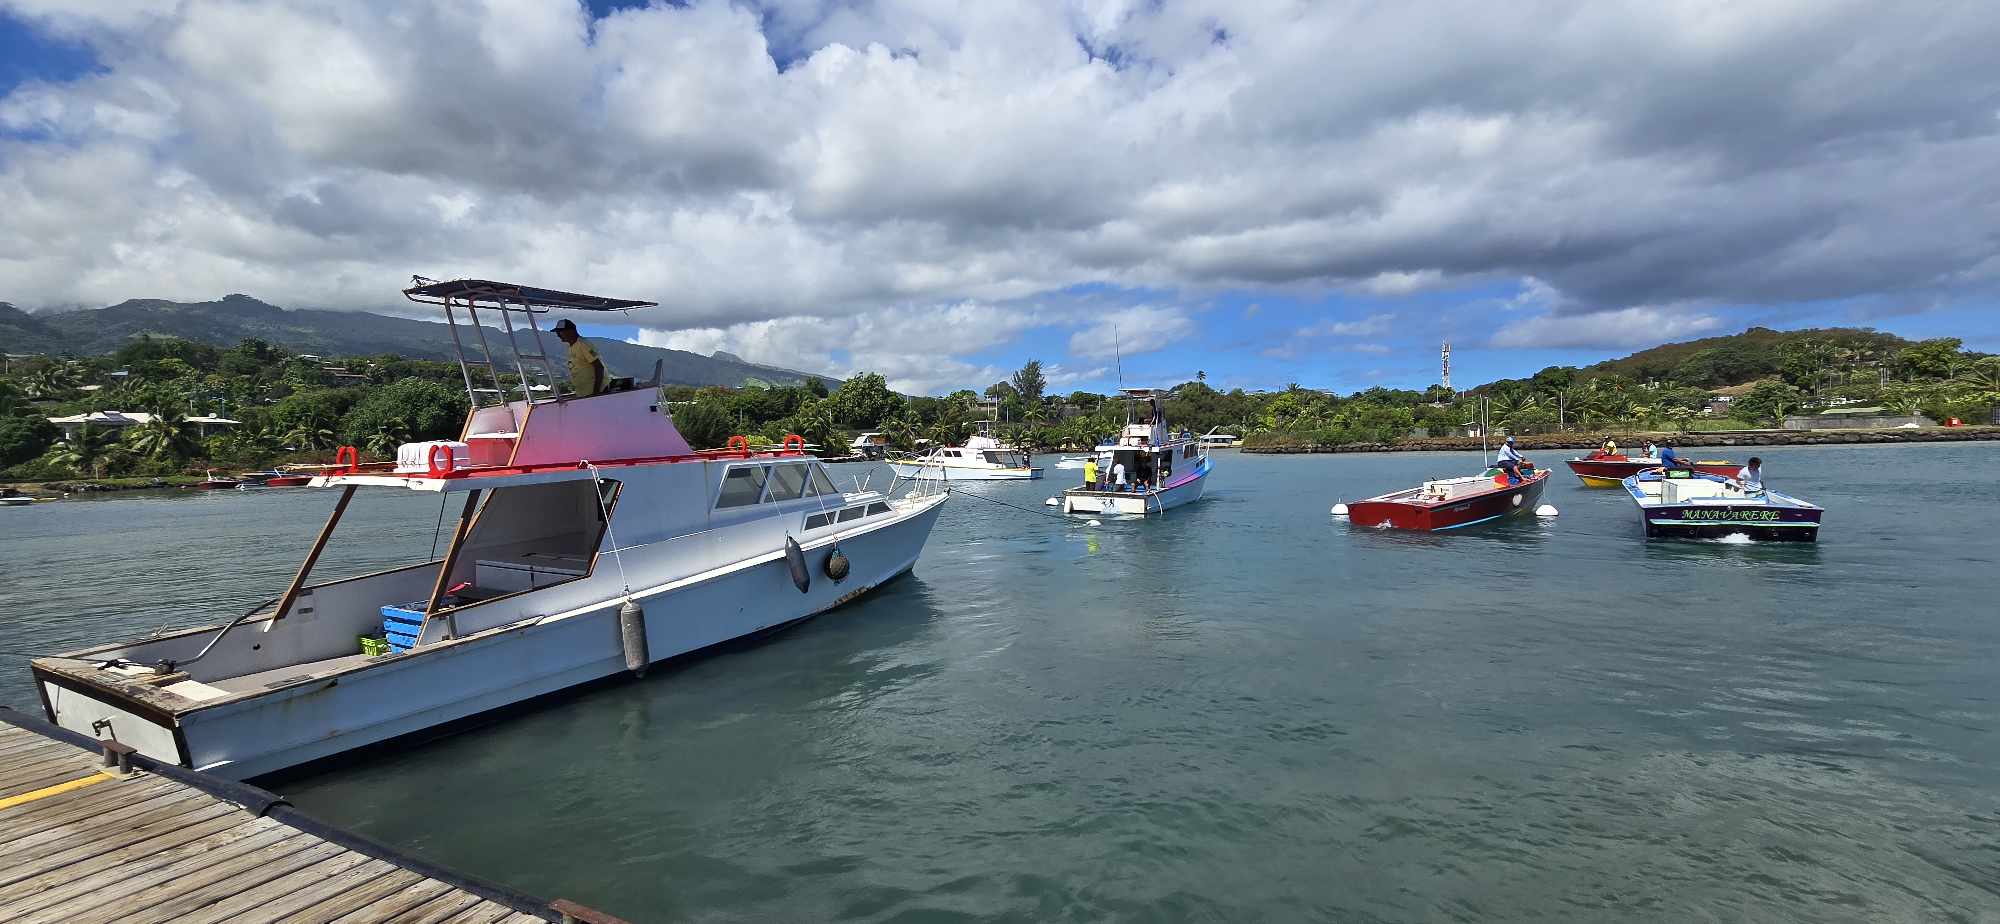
1598 470
213 483
287 481
1450 503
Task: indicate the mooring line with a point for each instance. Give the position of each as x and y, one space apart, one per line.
990 500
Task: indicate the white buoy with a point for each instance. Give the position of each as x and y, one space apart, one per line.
1546 510
1051 502
1093 523
1340 510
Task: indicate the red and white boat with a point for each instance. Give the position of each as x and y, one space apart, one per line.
214 482
1451 503
590 541
1599 470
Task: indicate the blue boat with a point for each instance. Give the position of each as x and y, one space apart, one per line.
1696 505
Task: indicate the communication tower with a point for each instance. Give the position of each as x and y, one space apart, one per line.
1445 380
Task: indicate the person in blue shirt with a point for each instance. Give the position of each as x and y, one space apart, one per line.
1751 476
1668 458
1509 461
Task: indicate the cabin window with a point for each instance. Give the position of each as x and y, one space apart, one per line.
993 458
741 487
819 521
876 508
821 483
852 513
788 482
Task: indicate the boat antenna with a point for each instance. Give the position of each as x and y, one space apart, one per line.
1119 354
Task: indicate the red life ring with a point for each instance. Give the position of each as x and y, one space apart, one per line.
347 460
795 443
439 468
739 444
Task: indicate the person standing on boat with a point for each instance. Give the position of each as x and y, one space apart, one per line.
1090 473
586 370
1751 476
1509 461
1118 474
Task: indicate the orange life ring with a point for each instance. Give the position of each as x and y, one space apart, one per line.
739 444
795 443
347 460
440 467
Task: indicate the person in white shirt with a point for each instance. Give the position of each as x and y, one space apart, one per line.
1118 475
1751 476
1509 461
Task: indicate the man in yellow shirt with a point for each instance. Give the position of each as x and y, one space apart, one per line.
586 371
1090 473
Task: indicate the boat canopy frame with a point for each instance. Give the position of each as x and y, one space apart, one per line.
517 306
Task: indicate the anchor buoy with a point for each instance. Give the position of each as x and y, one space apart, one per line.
795 561
794 443
738 444
836 565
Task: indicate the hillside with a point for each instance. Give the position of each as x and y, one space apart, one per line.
100 331
1737 358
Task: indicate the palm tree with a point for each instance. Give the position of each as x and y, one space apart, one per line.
1983 374
901 432
309 436
385 441
166 436
86 452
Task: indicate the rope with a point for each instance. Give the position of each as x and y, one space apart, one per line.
1040 513
438 530
597 479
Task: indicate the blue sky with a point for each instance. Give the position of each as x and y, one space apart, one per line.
941 192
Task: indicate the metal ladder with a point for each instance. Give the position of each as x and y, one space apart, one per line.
497 395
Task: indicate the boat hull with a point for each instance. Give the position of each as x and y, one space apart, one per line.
955 473
288 481
1487 507
1180 491
1610 473
445 682
1711 521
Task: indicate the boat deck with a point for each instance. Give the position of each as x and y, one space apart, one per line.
82 844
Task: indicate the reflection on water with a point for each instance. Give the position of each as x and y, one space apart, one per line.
1245 710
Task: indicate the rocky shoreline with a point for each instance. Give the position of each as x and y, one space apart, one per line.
1639 440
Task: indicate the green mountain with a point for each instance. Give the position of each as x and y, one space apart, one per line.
1755 353
223 323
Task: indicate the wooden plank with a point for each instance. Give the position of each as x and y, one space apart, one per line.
42 747
29 886
483 913
36 762
91 826
53 776
189 894
333 894
106 840
358 897
69 891
405 902
440 911
83 804
26 741
236 907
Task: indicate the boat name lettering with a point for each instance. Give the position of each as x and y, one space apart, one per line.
1730 515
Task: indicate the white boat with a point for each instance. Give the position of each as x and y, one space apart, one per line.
1215 440
1073 462
1163 469
17 501
590 541
982 458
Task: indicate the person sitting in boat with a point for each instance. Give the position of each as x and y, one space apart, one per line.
586 370
1751 476
1509 461
1609 449
1671 459
1652 451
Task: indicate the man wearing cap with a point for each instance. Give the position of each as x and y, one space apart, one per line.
1510 461
586 371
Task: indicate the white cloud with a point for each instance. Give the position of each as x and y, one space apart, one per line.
931 154
1371 325
1131 331
1642 326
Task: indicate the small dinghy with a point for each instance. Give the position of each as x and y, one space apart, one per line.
1698 505
1602 470
1451 503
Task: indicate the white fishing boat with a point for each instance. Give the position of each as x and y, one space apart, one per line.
1162 469
1214 439
982 458
590 540
1073 462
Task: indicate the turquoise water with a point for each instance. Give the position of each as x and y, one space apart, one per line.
1245 710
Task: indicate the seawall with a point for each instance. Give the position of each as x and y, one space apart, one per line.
1635 441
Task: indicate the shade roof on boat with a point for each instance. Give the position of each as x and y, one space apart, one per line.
513 295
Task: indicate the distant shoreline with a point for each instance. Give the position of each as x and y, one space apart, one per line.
1637 441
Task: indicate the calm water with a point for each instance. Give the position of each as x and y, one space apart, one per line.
1244 711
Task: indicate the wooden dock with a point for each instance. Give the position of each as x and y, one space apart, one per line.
83 841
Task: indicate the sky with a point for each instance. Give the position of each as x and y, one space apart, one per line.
1128 190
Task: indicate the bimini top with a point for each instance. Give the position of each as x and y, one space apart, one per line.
511 295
